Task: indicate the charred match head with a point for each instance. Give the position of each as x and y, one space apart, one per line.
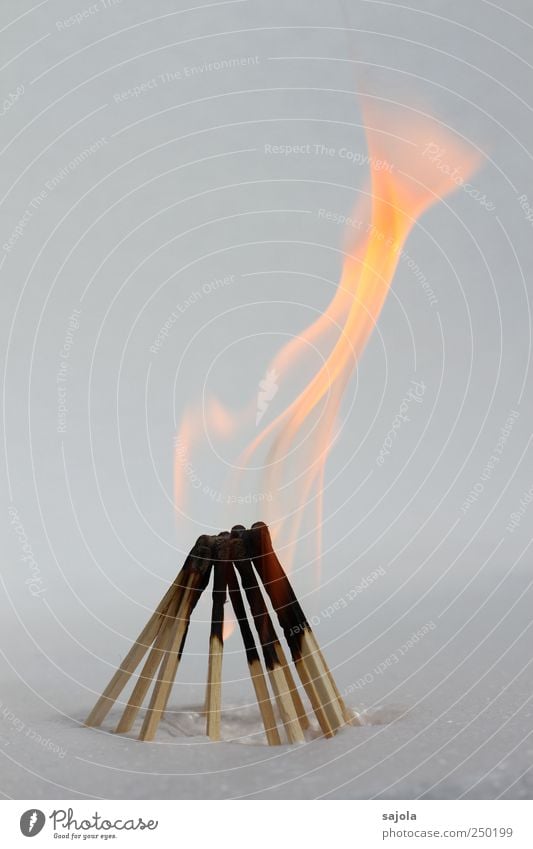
201 555
221 548
238 550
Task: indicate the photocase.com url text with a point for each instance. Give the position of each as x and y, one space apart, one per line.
459 833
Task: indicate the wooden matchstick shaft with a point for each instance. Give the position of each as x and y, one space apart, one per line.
348 716
169 665
152 664
199 571
216 639
135 655
254 662
314 698
293 689
268 640
295 626
167 671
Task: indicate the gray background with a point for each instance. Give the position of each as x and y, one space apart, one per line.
182 192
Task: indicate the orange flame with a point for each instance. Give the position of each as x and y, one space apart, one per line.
228 628
407 176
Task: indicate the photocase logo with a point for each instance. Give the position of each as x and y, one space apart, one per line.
32 822
268 388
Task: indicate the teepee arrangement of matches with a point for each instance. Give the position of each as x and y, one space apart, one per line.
248 555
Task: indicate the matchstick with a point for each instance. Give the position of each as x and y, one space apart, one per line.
314 698
296 627
267 638
298 704
135 655
311 651
213 701
293 689
254 662
152 664
309 663
199 569
167 671
348 715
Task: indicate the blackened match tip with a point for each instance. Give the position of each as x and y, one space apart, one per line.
202 552
203 541
221 547
237 549
260 530
260 539
222 536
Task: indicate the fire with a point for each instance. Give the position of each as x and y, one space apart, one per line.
229 626
298 440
